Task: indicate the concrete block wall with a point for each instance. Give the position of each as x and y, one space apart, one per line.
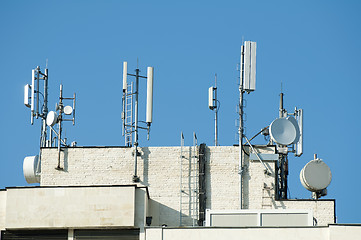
2 209
159 168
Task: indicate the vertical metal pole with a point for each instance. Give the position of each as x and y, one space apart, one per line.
281 105
37 91
60 120
135 177
216 113
240 132
44 132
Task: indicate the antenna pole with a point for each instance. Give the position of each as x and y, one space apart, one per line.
281 105
60 120
215 113
135 177
45 111
240 130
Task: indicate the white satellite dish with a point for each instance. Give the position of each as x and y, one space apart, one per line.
295 124
30 166
51 118
283 131
68 110
316 175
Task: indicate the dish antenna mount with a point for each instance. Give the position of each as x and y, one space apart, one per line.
57 117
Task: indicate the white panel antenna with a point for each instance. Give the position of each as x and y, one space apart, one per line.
125 73
211 103
149 113
299 144
27 95
248 66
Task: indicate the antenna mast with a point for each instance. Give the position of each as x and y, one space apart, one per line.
130 127
213 105
49 119
247 84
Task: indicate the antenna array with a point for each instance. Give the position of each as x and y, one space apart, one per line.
32 99
131 125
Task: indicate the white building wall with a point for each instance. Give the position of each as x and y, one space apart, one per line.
2 209
74 207
159 168
332 232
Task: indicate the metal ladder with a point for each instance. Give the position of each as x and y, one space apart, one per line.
128 128
266 197
194 177
189 187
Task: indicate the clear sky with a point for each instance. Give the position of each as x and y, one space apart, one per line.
312 47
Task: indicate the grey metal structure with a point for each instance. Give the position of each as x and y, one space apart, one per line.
189 184
247 84
62 142
213 105
131 126
283 150
34 103
46 139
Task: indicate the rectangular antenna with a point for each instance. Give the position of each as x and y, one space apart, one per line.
32 94
27 90
249 66
299 145
149 114
211 104
125 73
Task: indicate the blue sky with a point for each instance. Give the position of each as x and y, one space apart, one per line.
312 47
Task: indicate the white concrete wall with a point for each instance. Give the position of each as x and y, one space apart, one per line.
73 207
333 232
159 168
2 209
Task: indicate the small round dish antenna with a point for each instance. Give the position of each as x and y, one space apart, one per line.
68 110
283 131
51 118
316 175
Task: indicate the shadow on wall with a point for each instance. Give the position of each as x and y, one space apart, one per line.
145 157
208 178
163 215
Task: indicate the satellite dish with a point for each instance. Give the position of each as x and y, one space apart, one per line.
68 110
283 131
295 124
30 165
316 175
51 118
